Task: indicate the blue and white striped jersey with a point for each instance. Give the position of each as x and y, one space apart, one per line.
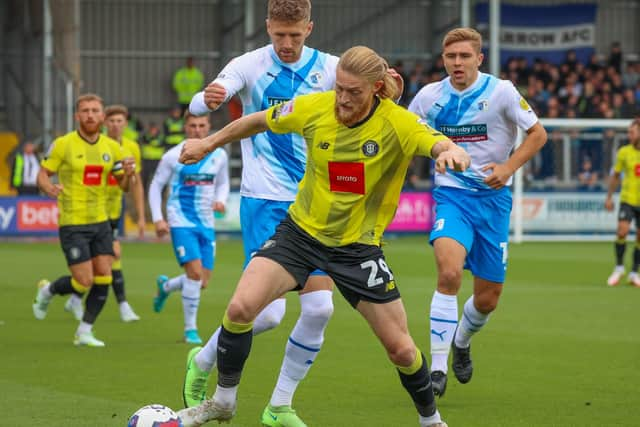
192 188
272 164
483 119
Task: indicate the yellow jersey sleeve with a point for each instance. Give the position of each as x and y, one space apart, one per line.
131 148
620 160
291 116
416 136
55 157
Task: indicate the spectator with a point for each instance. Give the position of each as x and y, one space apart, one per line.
187 81
174 127
152 151
587 177
24 172
615 56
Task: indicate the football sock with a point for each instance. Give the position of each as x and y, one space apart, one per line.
472 321
75 299
620 248
443 322
190 302
225 396
269 318
174 284
234 345
118 285
415 379
84 327
303 344
62 286
636 258
96 299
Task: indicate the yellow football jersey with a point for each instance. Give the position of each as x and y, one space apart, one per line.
83 169
351 186
130 148
628 164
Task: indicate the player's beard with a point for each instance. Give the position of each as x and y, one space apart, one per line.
90 128
351 117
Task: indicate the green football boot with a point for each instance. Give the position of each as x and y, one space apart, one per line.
196 381
161 295
281 416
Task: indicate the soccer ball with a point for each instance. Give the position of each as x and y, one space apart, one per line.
155 416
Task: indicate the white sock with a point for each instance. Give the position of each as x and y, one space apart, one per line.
124 305
45 292
174 284
433 419
190 302
226 396
83 328
269 318
443 322
303 344
75 299
470 323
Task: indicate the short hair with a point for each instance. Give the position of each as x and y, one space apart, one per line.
187 115
367 64
463 34
289 10
85 97
115 109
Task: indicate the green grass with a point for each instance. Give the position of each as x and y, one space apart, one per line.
561 350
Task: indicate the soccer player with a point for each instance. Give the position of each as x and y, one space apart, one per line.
273 165
116 122
481 114
627 166
83 161
359 145
194 191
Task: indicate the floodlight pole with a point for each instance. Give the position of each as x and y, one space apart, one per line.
47 101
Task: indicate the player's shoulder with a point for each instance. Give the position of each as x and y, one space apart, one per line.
112 143
130 143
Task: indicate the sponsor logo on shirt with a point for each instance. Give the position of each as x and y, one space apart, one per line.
637 170
346 177
111 180
282 110
198 179
272 100
465 133
92 175
324 145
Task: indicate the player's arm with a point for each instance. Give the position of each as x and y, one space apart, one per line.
533 142
222 187
124 172
448 155
160 179
195 149
614 182
45 185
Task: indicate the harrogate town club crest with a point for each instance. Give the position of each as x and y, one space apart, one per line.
370 148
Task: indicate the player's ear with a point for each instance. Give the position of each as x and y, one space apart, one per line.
309 28
480 58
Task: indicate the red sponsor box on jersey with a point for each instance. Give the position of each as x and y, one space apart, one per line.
37 215
346 177
92 175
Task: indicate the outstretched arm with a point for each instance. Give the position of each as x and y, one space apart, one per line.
194 150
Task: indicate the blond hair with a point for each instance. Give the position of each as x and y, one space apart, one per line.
113 110
85 97
463 34
367 64
289 10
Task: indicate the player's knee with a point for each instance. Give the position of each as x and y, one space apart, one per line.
486 303
403 354
239 311
450 279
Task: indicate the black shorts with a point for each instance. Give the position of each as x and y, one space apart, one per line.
628 213
80 243
115 228
359 271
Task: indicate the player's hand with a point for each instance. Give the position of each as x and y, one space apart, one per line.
141 227
162 228
457 160
54 190
500 174
219 207
129 166
214 95
193 151
608 204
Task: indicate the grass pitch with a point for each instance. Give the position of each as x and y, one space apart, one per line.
561 350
